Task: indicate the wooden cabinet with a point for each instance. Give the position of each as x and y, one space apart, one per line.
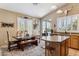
64 48
69 41
61 48
74 42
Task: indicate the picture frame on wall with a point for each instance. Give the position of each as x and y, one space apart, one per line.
7 24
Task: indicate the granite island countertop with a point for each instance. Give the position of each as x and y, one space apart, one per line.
55 38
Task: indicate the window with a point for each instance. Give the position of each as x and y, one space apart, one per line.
21 24
68 23
25 25
28 25
46 26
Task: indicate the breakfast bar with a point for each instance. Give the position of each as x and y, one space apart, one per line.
56 43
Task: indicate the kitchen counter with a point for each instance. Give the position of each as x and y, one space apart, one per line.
55 38
58 42
66 33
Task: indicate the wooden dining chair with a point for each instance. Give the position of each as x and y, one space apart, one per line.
11 44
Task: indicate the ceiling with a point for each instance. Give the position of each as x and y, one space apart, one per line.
33 9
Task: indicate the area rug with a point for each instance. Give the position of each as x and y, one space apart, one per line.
28 51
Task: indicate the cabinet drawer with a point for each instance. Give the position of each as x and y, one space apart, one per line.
74 43
74 37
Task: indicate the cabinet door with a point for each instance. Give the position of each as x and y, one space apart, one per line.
63 48
74 42
69 41
67 46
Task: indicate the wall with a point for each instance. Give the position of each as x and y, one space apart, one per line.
54 15
8 16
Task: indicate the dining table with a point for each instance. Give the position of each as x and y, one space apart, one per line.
26 40
20 38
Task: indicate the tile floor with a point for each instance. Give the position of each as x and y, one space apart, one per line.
73 52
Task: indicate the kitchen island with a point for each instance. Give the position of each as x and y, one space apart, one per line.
73 41
58 43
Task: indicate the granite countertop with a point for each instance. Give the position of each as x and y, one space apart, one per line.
55 38
66 34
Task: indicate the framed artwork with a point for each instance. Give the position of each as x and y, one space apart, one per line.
7 24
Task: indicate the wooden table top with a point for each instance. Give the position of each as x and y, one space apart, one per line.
22 38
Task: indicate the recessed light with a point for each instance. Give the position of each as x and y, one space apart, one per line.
54 7
59 11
